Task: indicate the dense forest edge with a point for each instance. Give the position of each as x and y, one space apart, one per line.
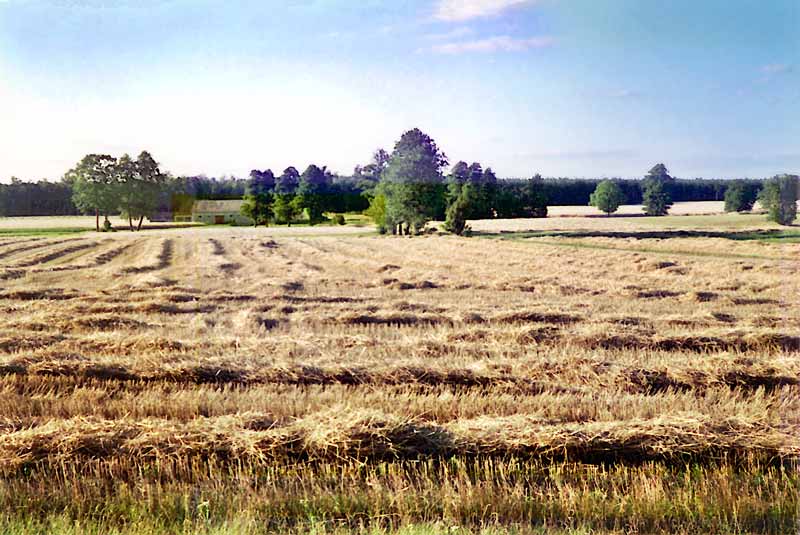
400 191
349 193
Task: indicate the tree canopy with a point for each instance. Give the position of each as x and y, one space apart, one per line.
95 185
412 182
779 198
607 197
311 192
258 199
740 196
655 195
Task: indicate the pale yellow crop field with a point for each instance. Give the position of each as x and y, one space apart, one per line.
292 381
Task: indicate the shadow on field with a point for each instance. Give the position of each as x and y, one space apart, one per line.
747 235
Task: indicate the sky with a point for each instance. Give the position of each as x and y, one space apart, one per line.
583 88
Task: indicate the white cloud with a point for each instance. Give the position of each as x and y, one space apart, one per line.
625 93
455 33
776 68
459 10
502 43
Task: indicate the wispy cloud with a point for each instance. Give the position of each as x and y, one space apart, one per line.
625 94
455 33
776 68
502 43
592 154
460 10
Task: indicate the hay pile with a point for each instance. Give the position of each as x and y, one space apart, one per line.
341 433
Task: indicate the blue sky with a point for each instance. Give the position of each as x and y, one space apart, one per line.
561 87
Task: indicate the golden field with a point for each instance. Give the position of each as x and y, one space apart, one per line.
574 374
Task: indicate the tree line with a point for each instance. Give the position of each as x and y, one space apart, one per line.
42 198
401 191
777 195
412 190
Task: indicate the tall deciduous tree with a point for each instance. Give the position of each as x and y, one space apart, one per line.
412 182
607 197
286 205
128 188
94 185
535 200
779 198
153 183
311 192
258 199
368 176
140 186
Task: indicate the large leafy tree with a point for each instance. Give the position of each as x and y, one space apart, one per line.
534 198
286 204
153 182
368 176
313 187
607 197
94 185
128 188
287 183
740 196
656 195
779 198
258 198
412 182
140 186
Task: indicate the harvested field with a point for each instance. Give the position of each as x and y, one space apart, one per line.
244 381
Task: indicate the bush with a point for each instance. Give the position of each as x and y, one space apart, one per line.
740 197
607 197
456 219
657 200
339 219
779 198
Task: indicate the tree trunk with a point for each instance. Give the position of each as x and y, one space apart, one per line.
130 222
97 219
139 226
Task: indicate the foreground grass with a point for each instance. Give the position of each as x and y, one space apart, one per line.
476 494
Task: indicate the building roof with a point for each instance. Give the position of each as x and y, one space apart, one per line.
217 207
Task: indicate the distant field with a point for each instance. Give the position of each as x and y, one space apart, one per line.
681 208
77 223
68 222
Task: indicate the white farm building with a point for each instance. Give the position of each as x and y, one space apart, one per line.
219 212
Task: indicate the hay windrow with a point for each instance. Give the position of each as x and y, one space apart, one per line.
341 433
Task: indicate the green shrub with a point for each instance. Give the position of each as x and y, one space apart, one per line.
607 197
779 198
740 197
